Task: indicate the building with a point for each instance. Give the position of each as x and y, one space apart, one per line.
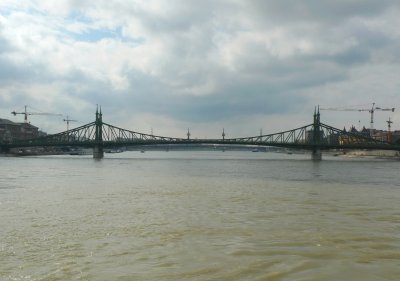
10 130
395 136
380 135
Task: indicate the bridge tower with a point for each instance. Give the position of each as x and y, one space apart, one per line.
98 152
316 153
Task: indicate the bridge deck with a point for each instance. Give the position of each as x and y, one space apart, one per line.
315 136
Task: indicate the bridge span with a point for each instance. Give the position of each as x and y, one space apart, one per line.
99 135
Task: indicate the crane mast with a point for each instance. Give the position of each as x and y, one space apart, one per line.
69 120
372 110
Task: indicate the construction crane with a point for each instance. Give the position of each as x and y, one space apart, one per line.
371 111
69 120
389 134
389 122
26 113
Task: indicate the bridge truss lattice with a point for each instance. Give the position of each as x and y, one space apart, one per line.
313 136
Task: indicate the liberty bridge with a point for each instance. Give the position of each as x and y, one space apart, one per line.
315 137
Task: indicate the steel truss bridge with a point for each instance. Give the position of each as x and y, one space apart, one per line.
314 137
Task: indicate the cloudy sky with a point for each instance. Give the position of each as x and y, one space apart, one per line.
209 64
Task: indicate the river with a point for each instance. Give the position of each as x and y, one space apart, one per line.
199 215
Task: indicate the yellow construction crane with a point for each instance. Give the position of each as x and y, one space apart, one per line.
26 113
370 110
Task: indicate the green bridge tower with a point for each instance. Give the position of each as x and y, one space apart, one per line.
316 153
98 152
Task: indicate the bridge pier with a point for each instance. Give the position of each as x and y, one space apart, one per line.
316 154
98 152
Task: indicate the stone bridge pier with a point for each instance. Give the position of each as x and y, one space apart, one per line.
98 152
316 154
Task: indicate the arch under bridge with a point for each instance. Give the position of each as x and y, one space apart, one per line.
99 135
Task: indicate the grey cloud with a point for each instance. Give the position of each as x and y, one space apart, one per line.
234 97
11 72
352 56
182 15
259 83
16 100
5 46
331 12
